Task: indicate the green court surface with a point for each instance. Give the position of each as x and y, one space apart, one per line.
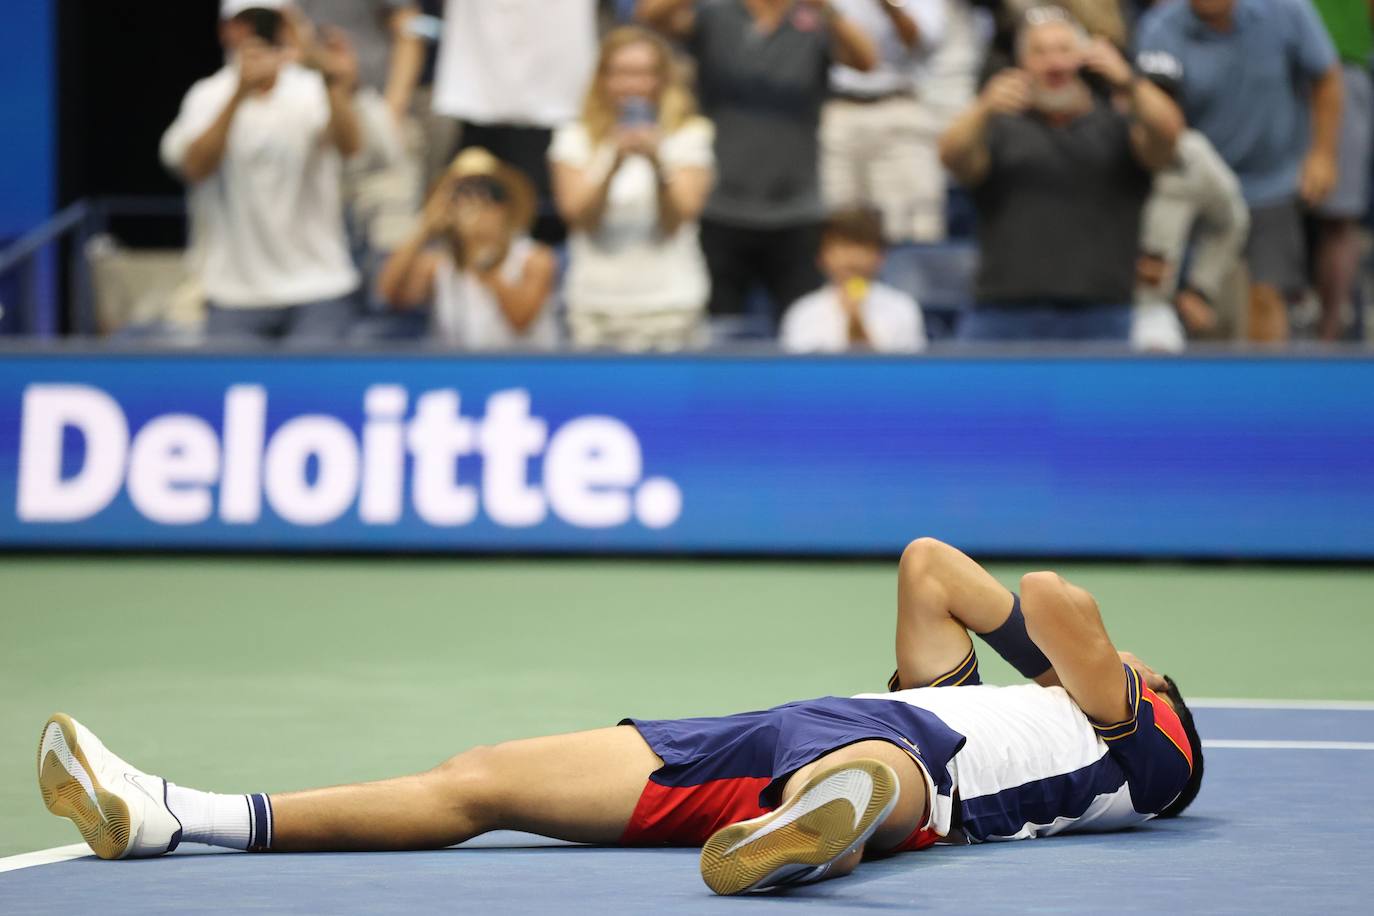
276 674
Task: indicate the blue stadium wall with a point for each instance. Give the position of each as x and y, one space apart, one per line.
1069 456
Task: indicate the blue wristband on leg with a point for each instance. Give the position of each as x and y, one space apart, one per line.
1013 643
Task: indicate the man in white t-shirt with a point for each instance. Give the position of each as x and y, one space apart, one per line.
261 145
853 311
511 72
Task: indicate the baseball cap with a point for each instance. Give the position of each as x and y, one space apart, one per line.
228 9
1162 69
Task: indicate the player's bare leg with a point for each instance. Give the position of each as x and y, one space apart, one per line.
867 796
581 787
941 595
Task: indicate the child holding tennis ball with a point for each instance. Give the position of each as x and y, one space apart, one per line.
853 310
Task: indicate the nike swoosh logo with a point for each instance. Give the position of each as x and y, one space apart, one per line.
838 786
132 780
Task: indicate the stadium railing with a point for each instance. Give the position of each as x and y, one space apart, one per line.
31 293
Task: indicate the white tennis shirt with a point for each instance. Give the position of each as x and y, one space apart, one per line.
1032 765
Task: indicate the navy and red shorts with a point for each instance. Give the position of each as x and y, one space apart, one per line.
719 771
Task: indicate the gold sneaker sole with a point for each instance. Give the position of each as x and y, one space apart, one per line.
102 817
818 825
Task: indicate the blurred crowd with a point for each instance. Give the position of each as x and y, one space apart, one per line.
654 175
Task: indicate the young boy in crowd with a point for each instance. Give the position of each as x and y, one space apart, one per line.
853 311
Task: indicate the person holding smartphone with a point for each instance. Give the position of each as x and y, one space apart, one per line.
631 176
261 146
489 286
1060 174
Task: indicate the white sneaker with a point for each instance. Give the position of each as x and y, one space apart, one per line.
121 811
832 816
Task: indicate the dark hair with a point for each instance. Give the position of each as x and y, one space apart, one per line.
860 225
1190 789
266 24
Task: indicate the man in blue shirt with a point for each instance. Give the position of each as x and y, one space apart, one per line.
1263 83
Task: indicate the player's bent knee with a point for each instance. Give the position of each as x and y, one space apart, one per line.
922 556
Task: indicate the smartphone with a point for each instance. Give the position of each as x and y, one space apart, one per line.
638 112
266 25
1097 83
430 28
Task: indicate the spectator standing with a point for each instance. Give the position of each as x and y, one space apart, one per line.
512 71
1059 176
488 284
261 145
631 177
873 151
1262 81
853 311
383 188
762 71
1197 200
1338 239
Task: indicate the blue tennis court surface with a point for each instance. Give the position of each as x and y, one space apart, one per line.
1285 823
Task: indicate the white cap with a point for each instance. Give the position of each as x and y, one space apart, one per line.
228 9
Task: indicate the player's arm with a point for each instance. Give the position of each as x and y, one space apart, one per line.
1063 620
942 594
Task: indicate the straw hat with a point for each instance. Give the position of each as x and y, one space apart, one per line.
476 162
228 9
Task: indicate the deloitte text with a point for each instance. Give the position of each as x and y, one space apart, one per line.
179 469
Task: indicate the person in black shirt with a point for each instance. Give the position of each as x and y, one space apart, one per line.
763 72
1059 153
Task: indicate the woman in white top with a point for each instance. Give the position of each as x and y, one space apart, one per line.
489 283
630 179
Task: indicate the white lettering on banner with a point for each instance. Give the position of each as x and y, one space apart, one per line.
313 469
49 410
292 495
591 463
384 456
172 464
439 437
510 437
245 428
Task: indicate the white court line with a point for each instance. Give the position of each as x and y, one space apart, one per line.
1228 703
1246 744
45 857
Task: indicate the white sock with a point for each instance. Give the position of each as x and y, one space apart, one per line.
231 821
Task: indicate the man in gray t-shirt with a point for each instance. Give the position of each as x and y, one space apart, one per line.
763 71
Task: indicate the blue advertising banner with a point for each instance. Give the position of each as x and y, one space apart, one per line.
1206 457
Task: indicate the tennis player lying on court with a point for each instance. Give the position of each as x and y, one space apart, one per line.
784 796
